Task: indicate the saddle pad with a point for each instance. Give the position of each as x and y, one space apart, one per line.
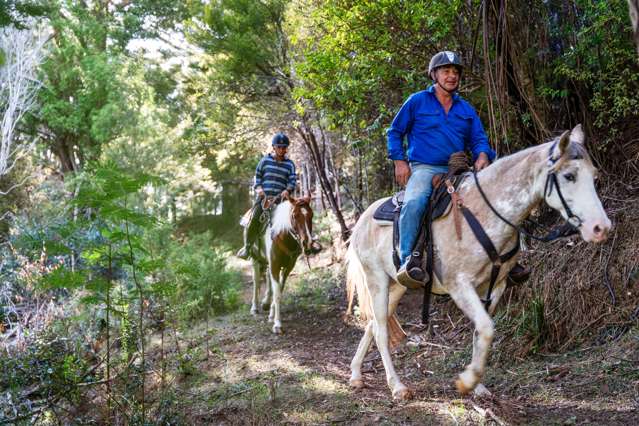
387 210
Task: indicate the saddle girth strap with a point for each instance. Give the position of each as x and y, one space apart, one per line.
396 238
496 259
429 267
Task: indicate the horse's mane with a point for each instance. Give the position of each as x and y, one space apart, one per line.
281 220
575 151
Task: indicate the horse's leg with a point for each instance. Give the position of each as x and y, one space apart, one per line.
468 301
498 291
258 276
378 283
276 287
356 364
268 293
356 381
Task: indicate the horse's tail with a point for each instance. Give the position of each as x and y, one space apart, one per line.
356 284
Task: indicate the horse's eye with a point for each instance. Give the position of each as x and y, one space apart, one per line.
569 177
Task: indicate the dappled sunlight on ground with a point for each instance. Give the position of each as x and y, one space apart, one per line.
252 376
275 361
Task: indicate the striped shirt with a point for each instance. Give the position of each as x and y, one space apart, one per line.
275 176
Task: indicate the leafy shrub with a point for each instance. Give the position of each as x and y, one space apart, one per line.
203 282
50 368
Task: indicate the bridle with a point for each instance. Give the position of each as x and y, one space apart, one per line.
552 182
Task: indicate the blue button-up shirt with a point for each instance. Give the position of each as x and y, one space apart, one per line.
434 135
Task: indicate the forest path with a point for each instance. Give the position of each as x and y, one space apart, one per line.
251 376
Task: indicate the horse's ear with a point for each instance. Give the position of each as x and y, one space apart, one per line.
561 146
577 135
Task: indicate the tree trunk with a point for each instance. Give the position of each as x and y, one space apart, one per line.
633 5
318 161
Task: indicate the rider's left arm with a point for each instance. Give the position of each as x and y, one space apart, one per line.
478 143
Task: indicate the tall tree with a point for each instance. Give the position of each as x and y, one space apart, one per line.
86 102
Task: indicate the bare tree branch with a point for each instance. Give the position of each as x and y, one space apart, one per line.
25 52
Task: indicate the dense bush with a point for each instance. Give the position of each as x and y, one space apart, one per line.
202 283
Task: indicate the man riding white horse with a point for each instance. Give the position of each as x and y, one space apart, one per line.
274 179
437 122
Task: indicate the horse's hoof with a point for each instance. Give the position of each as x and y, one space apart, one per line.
467 381
402 394
254 312
461 387
482 391
277 329
356 383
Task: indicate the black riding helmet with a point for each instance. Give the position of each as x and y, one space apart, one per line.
442 59
280 139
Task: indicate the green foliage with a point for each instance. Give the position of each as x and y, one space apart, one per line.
51 367
16 12
597 59
243 88
249 33
532 325
203 283
369 57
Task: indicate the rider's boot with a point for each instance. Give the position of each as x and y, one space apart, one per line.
518 275
245 251
412 273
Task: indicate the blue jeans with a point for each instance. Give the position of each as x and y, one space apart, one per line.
418 192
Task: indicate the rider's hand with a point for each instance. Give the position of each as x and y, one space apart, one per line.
482 161
259 192
285 195
402 172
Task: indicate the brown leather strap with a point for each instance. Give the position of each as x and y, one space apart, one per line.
457 202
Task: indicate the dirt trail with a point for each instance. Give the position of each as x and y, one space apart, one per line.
252 376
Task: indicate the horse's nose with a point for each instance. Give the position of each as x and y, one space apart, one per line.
314 248
601 229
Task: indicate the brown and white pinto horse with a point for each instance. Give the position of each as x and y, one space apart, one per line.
514 185
289 235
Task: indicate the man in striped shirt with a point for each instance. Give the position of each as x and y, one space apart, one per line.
274 177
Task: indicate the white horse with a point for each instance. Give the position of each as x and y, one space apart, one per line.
289 235
514 185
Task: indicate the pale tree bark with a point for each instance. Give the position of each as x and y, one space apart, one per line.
24 52
319 161
633 5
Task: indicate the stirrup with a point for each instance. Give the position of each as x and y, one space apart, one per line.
411 278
